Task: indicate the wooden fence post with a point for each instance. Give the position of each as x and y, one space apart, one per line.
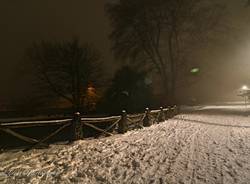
146 120
77 127
173 111
161 116
166 114
176 109
169 112
122 124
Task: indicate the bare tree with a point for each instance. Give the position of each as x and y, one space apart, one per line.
159 32
65 68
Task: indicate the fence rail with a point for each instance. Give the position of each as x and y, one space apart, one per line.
104 126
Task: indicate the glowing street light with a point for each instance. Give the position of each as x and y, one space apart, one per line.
245 93
245 88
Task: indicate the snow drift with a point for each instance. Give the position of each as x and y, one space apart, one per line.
191 148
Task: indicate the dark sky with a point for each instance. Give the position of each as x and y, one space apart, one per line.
231 56
22 22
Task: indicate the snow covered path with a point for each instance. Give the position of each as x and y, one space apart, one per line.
189 149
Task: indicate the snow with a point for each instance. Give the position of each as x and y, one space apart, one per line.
190 148
239 109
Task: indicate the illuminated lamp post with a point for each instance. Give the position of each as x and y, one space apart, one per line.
245 93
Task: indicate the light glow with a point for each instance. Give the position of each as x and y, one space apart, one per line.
244 87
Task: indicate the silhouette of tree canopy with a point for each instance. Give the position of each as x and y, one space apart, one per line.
128 91
65 68
158 32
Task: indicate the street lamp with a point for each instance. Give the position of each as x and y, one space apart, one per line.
245 92
244 88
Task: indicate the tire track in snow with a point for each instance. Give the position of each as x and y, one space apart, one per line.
212 158
187 160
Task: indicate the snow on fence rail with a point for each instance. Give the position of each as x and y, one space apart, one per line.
113 124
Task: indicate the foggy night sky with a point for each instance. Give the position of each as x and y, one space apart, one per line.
22 22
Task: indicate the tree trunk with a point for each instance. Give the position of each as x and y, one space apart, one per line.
172 70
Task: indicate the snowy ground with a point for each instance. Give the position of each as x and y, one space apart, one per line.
191 148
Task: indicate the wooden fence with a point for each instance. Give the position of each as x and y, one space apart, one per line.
77 125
